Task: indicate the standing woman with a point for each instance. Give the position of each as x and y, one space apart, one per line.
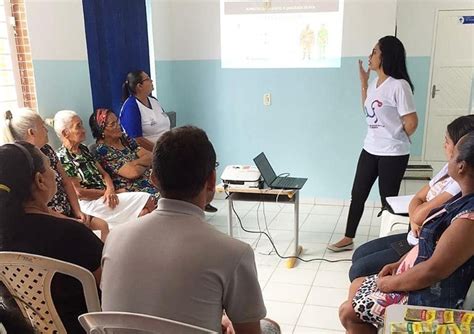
391 117
142 116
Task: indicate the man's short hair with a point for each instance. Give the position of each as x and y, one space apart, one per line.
183 160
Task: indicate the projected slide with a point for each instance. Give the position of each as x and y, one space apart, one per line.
281 33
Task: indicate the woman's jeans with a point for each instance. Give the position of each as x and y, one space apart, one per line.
371 257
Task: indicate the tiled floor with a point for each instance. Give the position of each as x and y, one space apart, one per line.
304 299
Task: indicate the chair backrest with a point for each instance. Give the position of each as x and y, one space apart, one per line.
28 279
125 322
172 117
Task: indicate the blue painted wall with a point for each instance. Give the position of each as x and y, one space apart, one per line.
314 128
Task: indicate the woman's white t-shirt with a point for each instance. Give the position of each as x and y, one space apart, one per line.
442 182
384 108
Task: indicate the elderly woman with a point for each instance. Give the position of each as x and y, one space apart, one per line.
27 125
93 185
127 163
438 271
27 184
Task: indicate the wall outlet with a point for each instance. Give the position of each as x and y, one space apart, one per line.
267 99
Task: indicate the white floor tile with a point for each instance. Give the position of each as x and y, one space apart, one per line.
283 313
310 251
293 276
335 266
323 296
320 317
289 293
319 223
264 274
327 210
314 237
286 221
286 329
304 208
331 279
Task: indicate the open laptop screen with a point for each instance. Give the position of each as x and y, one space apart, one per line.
265 168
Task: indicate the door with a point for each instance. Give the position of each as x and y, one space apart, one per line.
451 79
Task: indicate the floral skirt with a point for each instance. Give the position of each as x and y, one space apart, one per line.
369 302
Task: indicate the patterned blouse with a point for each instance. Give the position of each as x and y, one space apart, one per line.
60 201
112 159
82 166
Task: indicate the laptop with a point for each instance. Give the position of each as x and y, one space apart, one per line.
274 181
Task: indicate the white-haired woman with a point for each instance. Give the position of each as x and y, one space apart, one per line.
92 184
27 125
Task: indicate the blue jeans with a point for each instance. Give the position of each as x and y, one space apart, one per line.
371 257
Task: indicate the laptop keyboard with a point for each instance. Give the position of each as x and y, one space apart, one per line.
284 182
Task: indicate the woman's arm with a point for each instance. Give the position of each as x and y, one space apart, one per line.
85 193
410 123
364 81
145 143
110 197
70 192
132 170
453 249
419 213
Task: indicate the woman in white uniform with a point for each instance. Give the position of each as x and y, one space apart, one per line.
142 117
391 118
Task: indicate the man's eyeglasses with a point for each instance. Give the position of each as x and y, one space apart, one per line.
146 79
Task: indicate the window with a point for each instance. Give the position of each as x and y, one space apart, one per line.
17 86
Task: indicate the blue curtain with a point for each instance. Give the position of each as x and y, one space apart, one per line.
117 43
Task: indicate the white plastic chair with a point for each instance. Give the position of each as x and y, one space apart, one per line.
393 223
125 322
28 279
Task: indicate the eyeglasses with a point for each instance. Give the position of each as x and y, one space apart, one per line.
146 79
114 124
217 164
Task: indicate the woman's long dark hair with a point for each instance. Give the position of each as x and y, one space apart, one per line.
460 127
19 164
394 59
130 84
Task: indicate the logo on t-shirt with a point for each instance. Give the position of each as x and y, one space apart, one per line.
375 104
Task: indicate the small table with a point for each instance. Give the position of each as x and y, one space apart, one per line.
265 195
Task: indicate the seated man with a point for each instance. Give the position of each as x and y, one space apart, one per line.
172 264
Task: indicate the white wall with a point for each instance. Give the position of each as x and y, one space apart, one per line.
190 29
56 29
416 22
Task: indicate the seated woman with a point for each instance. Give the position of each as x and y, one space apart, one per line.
438 271
142 117
27 125
370 257
27 184
128 164
96 191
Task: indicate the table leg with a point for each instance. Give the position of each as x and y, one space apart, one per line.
230 214
298 249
